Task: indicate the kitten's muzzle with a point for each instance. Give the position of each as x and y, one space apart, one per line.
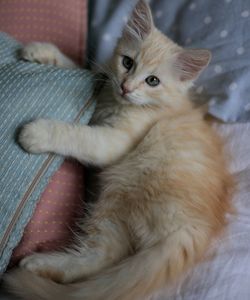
124 89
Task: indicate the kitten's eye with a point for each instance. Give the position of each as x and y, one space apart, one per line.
127 62
152 80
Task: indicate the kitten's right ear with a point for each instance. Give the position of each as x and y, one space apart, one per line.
140 23
189 63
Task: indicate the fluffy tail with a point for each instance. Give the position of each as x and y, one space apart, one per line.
131 279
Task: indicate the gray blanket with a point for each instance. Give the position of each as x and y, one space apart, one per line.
220 25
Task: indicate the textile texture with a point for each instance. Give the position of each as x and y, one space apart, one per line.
30 91
63 23
221 26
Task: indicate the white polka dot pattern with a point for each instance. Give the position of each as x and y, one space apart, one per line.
240 50
218 69
207 20
245 14
159 14
219 25
247 107
233 86
192 6
107 37
223 33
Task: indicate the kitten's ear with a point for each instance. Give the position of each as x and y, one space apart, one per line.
190 63
140 23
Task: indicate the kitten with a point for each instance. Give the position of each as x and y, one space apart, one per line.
165 185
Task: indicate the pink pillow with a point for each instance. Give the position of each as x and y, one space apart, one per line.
63 23
57 210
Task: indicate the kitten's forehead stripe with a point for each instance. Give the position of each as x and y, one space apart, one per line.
153 52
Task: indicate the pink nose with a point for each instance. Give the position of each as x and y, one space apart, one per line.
125 89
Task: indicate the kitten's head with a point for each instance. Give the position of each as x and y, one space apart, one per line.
148 67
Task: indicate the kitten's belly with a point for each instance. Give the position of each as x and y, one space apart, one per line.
156 186
145 206
139 193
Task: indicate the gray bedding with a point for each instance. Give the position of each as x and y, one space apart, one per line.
222 26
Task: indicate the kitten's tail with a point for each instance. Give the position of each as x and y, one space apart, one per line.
131 279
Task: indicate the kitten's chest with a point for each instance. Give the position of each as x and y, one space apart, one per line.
105 114
108 110
134 119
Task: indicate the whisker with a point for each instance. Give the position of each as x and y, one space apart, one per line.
105 68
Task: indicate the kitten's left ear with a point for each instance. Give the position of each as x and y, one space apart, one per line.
191 62
141 22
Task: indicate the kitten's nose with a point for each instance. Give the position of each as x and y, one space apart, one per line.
125 89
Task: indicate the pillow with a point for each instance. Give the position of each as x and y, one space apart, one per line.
60 205
221 26
60 22
30 91
67 28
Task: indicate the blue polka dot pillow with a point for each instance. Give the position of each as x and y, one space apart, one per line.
220 25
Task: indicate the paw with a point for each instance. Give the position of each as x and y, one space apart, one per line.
43 53
33 262
35 136
42 265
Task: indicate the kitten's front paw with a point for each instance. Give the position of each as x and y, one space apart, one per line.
43 265
43 53
35 136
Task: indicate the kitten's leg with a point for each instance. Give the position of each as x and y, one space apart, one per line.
107 245
96 145
45 53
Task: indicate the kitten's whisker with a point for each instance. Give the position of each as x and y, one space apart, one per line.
105 68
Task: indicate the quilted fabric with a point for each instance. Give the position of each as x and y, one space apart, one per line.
30 91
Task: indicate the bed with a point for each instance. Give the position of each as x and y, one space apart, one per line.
221 26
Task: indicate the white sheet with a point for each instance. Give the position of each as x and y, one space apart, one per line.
225 276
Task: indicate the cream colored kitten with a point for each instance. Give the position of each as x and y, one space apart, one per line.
165 186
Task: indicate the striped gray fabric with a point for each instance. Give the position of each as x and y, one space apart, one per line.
30 91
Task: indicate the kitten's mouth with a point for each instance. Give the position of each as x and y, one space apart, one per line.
123 98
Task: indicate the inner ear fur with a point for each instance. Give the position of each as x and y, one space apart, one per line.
191 62
140 23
